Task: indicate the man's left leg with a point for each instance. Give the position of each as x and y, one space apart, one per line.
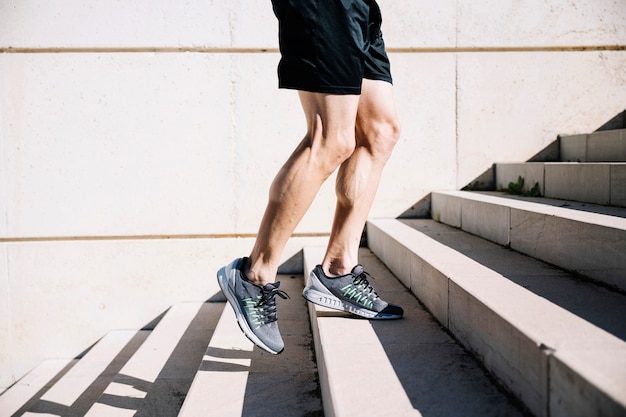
340 282
377 131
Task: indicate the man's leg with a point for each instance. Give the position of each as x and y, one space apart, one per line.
340 282
377 131
329 141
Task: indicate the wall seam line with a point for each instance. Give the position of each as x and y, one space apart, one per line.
228 50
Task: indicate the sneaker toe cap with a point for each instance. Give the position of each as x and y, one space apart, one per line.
392 311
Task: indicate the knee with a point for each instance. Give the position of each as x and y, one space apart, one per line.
345 143
381 137
336 147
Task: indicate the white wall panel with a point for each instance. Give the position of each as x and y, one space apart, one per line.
541 23
512 105
419 23
137 24
425 157
5 321
117 144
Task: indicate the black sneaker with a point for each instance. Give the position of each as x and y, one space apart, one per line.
352 293
255 306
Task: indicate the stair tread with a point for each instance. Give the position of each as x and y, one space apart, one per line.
76 381
143 368
607 216
397 367
16 396
229 402
235 378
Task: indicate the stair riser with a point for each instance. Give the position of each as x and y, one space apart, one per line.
603 184
603 146
573 395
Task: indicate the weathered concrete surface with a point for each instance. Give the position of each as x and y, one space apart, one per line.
407 367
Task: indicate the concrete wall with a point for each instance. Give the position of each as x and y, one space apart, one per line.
138 138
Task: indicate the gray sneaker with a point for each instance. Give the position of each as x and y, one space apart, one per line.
255 306
352 293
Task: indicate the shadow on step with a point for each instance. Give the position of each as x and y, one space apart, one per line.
439 376
275 385
161 398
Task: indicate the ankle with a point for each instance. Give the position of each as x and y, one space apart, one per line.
255 274
336 268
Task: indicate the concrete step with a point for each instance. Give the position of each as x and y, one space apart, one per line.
155 380
554 361
587 239
596 183
78 379
26 390
151 372
236 378
406 367
601 146
145 372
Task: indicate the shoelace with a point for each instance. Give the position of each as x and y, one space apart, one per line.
361 282
267 303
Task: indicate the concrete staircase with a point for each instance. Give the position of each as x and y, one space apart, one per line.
194 362
521 312
534 286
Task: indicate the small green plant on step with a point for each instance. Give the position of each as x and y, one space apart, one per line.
517 188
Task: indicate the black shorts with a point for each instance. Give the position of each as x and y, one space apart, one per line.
329 46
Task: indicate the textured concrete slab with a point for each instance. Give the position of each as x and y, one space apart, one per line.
574 376
215 393
598 252
485 219
400 367
606 146
573 148
446 209
618 185
589 183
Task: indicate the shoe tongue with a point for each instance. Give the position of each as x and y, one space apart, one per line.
271 286
357 270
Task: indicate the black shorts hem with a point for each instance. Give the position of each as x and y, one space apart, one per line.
323 89
339 90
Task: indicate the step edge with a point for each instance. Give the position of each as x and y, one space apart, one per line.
600 220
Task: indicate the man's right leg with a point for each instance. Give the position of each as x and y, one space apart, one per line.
329 141
248 283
